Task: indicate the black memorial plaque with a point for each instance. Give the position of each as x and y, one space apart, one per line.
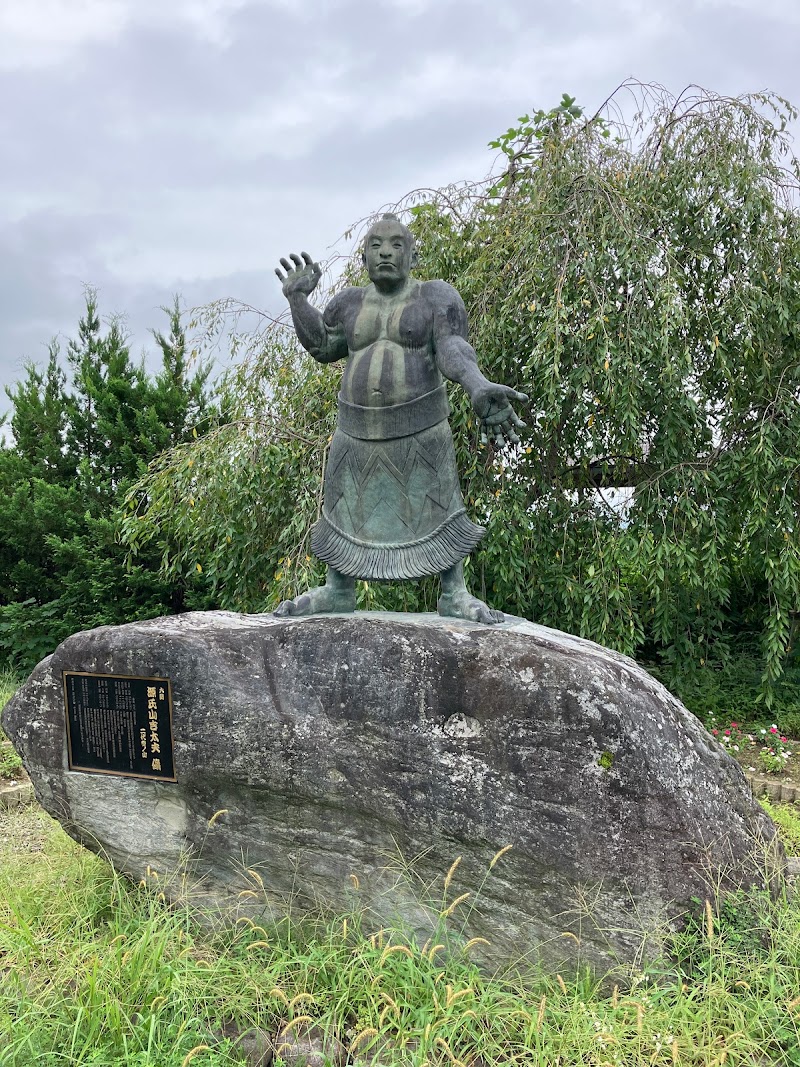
119 725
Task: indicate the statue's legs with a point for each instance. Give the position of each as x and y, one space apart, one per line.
456 600
337 594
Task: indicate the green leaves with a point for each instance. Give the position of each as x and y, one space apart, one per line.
642 289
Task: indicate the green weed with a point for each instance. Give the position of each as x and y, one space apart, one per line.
10 763
731 691
787 819
101 971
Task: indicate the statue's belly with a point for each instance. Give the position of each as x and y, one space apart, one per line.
386 373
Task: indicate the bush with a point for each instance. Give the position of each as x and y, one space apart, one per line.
730 691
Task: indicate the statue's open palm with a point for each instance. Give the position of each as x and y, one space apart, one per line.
499 421
303 277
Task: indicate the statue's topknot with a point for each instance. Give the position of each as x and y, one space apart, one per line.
389 216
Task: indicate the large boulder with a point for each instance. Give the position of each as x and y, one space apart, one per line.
354 758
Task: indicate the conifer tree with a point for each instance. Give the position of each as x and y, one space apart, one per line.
39 418
79 441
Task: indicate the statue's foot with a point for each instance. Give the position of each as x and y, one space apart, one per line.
318 601
463 605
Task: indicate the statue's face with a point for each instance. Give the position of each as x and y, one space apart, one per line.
388 252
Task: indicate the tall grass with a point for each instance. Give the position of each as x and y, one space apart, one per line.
787 818
96 970
9 684
10 763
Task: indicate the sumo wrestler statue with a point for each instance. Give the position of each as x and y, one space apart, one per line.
392 502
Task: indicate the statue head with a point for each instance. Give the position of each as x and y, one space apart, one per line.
389 254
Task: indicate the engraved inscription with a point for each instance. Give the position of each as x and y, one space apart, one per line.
117 724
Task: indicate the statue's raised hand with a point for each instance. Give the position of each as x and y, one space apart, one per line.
303 277
499 421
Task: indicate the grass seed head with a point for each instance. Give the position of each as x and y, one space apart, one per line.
255 876
392 1003
499 855
475 941
194 1052
390 949
540 1016
452 996
448 878
361 1037
452 907
301 997
709 921
294 1023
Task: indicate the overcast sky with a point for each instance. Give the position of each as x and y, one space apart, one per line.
158 146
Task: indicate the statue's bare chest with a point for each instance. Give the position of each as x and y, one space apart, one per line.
391 350
406 321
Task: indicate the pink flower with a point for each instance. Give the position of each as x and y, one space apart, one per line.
734 726
715 732
773 729
727 733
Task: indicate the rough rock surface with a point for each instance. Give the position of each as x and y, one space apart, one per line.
357 756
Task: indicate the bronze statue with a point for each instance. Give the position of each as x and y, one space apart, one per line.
392 501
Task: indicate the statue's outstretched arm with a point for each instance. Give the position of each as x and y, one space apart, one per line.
321 335
458 362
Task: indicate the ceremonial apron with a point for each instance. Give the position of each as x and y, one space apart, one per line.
392 501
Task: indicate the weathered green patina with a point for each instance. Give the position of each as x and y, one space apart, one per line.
392 501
